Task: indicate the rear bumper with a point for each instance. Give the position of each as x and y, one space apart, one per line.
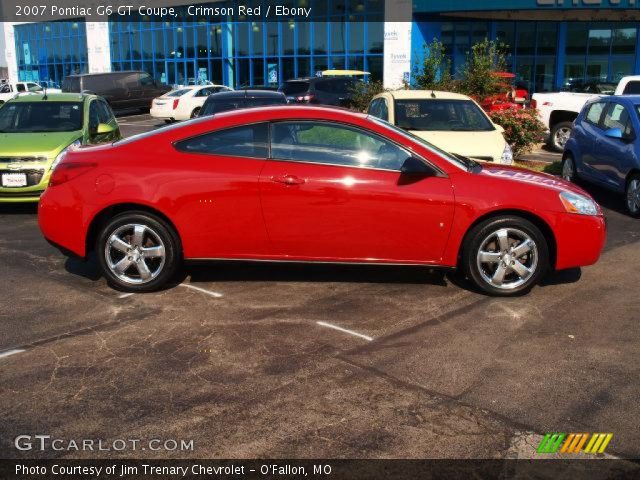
580 240
62 220
161 114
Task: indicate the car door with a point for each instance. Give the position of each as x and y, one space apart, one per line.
334 192
614 157
587 135
219 173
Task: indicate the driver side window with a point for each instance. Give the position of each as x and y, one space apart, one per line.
334 144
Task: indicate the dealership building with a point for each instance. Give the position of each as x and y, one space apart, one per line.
550 42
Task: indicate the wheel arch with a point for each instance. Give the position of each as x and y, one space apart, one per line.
538 221
633 171
559 116
111 211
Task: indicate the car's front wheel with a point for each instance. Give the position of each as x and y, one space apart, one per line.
138 252
569 169
505 256
633 195
560 134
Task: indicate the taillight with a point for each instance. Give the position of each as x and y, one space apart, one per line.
534 104
306 98
175 103
67 171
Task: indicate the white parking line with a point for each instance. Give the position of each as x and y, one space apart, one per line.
202 290
8 353
350 332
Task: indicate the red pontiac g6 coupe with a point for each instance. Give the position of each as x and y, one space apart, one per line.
311 184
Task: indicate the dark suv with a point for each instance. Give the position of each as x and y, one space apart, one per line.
320 90
225 101
122 90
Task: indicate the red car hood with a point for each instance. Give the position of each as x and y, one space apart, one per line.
521 175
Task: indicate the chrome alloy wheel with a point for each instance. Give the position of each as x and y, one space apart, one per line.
507 258
562 136
633 196
568 170
135 254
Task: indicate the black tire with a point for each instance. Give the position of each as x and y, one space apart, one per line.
632 195
558 139
195 113
569 172
168 121
157 247
484 237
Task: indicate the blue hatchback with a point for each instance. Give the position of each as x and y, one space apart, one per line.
604 147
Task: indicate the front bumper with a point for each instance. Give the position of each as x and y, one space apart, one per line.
30 193
580 240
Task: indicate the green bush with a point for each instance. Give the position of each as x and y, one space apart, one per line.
522 129
363 92
435 71
477 78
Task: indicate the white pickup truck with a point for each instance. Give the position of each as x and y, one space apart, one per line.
558 110
10 90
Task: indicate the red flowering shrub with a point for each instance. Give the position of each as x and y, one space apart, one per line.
522 129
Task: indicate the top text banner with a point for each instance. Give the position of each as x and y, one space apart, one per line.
189 11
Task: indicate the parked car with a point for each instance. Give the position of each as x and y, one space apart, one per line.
311 184
36 132
11 90
320 90
452 122
126 90
225 101
513 95
184 103
559 110
604 147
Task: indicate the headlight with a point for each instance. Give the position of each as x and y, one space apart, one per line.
575 203
61 155
507 156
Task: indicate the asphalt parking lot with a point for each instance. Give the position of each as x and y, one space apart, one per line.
316 361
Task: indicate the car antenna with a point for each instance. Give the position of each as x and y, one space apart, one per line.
433 94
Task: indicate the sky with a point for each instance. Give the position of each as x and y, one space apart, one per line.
3 61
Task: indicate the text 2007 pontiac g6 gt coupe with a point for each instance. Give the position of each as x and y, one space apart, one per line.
311 184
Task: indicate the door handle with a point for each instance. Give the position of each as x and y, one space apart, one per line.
288 180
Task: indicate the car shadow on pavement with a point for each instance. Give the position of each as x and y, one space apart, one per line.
306 272
18 208
83 268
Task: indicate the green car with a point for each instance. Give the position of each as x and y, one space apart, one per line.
37 130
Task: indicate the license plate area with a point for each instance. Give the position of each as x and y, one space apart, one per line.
14 180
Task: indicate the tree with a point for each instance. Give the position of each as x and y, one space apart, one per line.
435 71
363 92
477 78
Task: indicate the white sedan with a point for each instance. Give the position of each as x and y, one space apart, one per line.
183 103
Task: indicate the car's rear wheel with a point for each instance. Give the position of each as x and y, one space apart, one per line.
633 195
560 134
195 113
569 169
505 256
138 252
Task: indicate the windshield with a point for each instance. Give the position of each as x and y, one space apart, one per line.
41 116
457 160
427 115
294 88
217 106
178 93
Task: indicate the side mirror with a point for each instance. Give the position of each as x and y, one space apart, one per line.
104 128
614 133
415 166
500 128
